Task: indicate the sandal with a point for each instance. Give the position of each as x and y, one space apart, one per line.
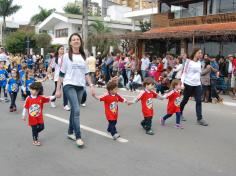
36 143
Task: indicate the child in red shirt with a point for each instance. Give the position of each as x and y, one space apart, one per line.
111 100
173 106
34 107
146 98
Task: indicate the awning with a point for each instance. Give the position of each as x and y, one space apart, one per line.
192 30
180 32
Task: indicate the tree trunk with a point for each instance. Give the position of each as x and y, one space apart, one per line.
3 31
85 26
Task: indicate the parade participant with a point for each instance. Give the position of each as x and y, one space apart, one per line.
174 100
3 81
12 87
73 75
192 84
34 108
146 98
111 99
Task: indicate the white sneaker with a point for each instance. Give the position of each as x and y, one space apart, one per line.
53 105
83 105
71 137
79 143
116 136
1 99
67 108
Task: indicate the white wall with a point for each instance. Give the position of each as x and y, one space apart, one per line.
116 13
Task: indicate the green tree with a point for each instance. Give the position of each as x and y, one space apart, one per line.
97 29
16 41
42 40
72 8
41 16
7 9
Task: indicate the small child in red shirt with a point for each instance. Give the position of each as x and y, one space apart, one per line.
173 106
146 98
34 107
111 100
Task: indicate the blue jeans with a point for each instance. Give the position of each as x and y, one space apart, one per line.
74 95
178 114
143 74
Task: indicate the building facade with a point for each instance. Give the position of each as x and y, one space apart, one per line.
182 25
137 4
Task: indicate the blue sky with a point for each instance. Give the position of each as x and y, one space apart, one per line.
30 7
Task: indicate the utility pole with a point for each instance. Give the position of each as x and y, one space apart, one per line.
85 26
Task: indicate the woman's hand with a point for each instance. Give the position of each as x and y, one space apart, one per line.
58 93
92 90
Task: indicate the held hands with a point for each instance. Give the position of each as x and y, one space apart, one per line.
23 118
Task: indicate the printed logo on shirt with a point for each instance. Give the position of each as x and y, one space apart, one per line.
14 87
2 77
149 103
113 107
178 101
34 110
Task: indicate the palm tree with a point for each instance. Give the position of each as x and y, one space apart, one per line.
7 9
85 25
98 28
72 8
41 16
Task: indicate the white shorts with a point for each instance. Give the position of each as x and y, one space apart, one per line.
233 81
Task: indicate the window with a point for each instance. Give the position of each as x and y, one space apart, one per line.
221 6
61 33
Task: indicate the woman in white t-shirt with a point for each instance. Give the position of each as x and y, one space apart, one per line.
192 84
56 65
73 74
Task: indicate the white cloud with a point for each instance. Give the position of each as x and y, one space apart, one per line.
30 7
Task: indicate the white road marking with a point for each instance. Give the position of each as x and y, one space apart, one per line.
229 103
86 128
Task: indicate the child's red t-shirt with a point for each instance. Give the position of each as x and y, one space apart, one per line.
34 108
174 101
111 105
147 103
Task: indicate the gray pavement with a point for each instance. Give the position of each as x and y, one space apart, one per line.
193 151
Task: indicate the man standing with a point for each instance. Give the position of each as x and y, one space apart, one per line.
144 65
91 62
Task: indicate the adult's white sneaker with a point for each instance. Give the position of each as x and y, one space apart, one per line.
79 143
67 108
53 105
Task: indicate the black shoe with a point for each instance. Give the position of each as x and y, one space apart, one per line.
202 122
182 118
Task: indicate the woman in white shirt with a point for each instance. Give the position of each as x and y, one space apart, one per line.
73 74
56 64
192 84
178 69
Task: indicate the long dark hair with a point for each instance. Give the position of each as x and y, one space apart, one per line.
195 50
81 50
57 53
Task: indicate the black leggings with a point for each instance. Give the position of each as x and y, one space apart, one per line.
13 96
195 91
55 89
4 91
36 129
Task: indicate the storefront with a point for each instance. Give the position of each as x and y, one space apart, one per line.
185 24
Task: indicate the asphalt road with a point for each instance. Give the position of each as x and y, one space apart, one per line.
193 151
